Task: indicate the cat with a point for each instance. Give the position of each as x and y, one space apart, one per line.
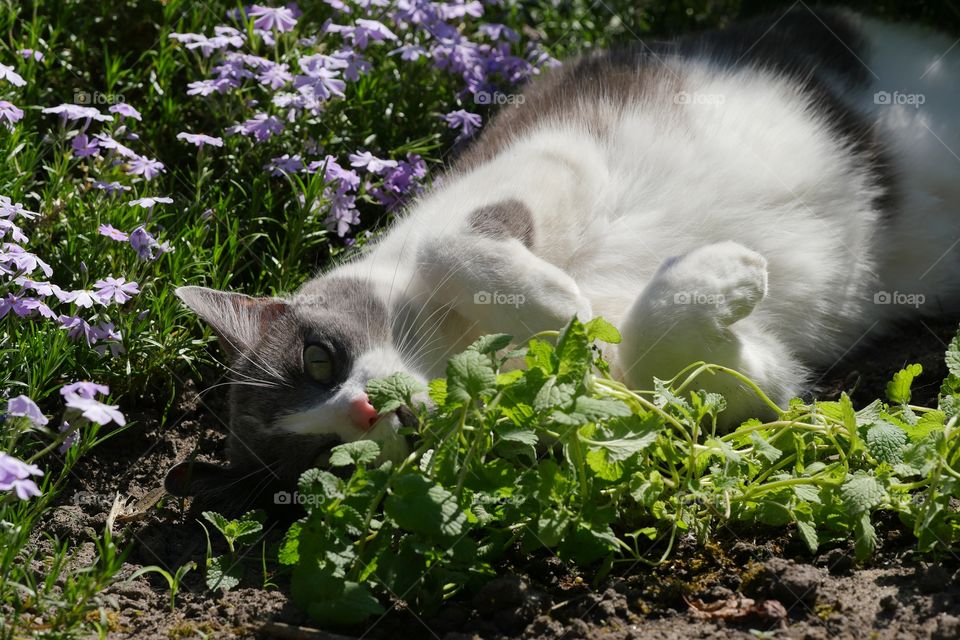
761 197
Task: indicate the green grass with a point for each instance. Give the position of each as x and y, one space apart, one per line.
257 236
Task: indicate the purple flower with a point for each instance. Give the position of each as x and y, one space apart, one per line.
113 233
208 87
108 142
499 32
10 209
30 53
275 76
362 32
84 146
125 110
285 164
15 474
13 255
69 441
410 52
10 114
77 112
25 306
11 76
110 187
372 164
83 298
115 289
273 18
84 389
261 126
150 202
107 332
146 167
16 234
78 328
146 245
200 139
94 410
24 407
467 122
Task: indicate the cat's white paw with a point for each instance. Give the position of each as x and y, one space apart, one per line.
723 282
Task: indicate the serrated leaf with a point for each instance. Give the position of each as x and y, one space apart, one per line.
397 390
573 352
898 389
419 506
646 489
886 442
551 526
221 523
808 533
865 538
223 573
518 434
491 343
354 605
358 453
952 356
600 329
764 448
470 375
554 394
861 493
587 409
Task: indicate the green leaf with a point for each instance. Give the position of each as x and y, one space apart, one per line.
953 356
573 352
646 489
358 453
551 527
554 394
419 506
289 549
886 442
518 434
491 343
470 375
221 523
600 329
861 493
354 605
808 533
397 390
587 409
898 389
223 572
764 448
865 538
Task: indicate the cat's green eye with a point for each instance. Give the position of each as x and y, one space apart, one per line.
318 363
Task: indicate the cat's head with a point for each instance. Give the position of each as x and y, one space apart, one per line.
299 368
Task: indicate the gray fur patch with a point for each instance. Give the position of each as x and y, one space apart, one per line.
503 220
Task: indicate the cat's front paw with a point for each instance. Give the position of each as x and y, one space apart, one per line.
723 281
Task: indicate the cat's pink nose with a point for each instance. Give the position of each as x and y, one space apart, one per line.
362 413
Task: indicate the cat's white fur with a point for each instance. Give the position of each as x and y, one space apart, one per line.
751 209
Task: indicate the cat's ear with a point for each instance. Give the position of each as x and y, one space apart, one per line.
237 319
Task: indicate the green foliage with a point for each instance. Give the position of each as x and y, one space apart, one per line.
561 456
226 571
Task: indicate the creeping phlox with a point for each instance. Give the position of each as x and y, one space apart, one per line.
271 61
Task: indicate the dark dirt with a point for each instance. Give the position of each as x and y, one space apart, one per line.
738 587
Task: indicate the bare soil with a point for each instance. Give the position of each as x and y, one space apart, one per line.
747 582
